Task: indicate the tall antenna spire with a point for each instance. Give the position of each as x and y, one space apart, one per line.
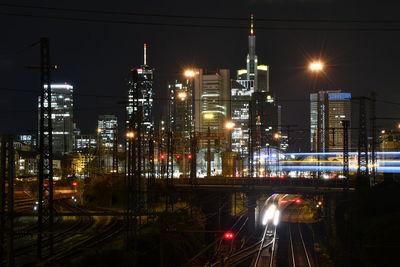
251 24
145 54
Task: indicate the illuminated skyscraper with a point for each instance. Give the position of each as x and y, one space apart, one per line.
328 109
181 122
107 130
62 117
212 91
140 97
253 83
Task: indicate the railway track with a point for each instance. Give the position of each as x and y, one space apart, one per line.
295 244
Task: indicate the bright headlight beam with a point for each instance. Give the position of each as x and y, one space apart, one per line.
269 214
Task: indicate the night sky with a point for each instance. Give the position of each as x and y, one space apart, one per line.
96 57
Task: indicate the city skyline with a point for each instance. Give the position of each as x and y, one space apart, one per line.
345 70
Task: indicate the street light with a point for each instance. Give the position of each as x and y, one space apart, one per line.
316 66
130 135
189 73
229 125
277 136
182 95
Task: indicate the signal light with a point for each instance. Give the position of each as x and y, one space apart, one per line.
320 203
228 235
178 156
298 201
190 156
162 156
74 183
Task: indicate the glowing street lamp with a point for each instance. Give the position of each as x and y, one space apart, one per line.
189 73
229 125
130 135
316 66
182 95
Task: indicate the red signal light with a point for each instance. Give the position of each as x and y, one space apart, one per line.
178 156
228 235
298 201
45 185
74 183
162 156
190 156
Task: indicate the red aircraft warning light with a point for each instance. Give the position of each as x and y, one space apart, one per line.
228 235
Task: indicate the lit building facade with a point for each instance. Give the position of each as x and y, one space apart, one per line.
62 117
265 130
140 98
327 111
212 96
85 144
181 122
107 126
252 88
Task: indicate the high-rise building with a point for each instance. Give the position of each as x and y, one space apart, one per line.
241 97
180 107
140 97
252 86
327 111
212 96
86 144
107 126
181 122
265 130
62 117
255 77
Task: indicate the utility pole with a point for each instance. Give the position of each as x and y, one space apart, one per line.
7 201
45 151
373 135
362 171
345 124
208 152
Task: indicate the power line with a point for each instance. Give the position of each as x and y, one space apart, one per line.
126 13
127 22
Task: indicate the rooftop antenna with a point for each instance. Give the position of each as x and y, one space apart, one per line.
145 54
251 24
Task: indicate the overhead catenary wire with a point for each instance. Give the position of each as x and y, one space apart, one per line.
211 26
142 14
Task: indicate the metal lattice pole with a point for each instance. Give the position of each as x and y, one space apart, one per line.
362 141
373 141
345 124
7 176
45 151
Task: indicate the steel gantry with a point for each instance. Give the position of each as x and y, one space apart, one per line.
362 140
7 201
345 124
45 179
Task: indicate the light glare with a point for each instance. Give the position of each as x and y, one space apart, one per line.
316 66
